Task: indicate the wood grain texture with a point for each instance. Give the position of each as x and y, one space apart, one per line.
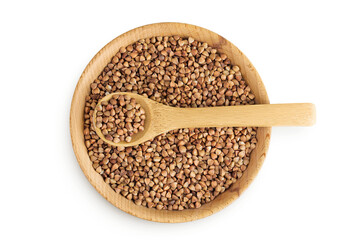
95 67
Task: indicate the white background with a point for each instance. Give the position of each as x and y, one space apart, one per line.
307 51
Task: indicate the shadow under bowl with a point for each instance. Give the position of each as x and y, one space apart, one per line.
95 67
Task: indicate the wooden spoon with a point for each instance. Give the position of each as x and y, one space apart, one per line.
161 118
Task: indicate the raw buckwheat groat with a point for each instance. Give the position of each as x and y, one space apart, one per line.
120 118
183 168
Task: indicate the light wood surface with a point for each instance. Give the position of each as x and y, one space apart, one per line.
95 67
161 118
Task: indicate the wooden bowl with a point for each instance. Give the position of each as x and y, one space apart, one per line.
94 68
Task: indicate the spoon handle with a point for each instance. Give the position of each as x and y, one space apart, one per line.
260 115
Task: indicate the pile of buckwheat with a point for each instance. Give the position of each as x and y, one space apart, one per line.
183 168
120 118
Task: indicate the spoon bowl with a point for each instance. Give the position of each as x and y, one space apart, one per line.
140 137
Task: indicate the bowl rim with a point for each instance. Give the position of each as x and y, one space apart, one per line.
77 112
